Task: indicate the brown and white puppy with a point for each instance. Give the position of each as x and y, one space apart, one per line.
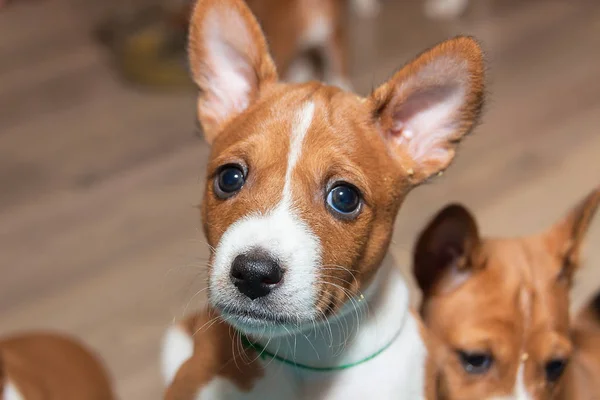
44 366
304 182
500 307
307 38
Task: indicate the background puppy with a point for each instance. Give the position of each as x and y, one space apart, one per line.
307 38
500 307
45 366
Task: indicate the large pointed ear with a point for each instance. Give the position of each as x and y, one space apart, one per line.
445 253
430 105
229 60
566 237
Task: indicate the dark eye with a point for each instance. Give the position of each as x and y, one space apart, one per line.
344 200
229 180
554 369
476 362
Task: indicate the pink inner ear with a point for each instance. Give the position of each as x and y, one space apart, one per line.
427 120
230 78
420 101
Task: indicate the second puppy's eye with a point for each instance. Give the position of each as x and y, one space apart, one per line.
554 369
475 363
229 181
344 200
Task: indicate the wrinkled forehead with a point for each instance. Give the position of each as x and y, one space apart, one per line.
309 132
518 290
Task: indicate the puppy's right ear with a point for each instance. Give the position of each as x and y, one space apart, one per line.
443 256
565 239
229 60
429 105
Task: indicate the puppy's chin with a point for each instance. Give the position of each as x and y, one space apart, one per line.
267 324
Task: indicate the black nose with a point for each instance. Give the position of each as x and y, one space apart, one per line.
255 274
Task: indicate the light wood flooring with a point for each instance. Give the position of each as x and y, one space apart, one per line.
99 236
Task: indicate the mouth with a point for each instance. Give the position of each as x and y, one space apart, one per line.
253 320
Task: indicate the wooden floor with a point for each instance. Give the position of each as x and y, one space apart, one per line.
98 181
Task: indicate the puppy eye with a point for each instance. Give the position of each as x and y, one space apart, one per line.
344 200
554 369
229 181
475 362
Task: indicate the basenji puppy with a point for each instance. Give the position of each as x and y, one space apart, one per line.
45 366
500 307
304 182
307 38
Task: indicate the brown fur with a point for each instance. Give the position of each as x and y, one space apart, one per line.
217 353
506 296
51 367
581 380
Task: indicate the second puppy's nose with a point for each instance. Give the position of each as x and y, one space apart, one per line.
255 274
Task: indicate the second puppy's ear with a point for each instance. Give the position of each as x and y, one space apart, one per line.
229 59
566 238
443 255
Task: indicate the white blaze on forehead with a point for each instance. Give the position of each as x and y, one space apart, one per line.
280 232
521 392
300 127
10 392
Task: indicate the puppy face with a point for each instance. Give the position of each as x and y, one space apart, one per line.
304 181
500 307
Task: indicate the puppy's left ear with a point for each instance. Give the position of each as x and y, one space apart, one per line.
430 105
446 251
565 238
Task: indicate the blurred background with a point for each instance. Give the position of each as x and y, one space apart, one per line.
102 163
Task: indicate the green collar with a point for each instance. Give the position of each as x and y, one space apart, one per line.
263 353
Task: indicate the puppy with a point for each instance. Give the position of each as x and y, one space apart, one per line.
307 38
500 307
303 185
44 366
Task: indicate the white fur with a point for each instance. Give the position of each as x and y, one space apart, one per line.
177 348
219 389
10 392
299 130
521 392
364 325
383 318
283 235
